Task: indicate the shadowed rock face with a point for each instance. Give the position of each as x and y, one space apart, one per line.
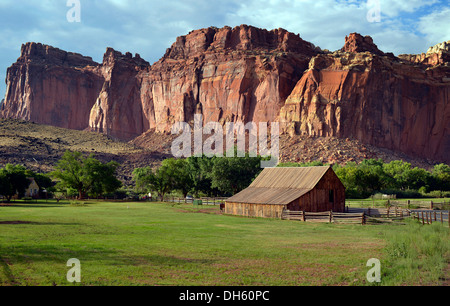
51 86
244 74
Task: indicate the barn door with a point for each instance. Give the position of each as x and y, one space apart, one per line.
331 199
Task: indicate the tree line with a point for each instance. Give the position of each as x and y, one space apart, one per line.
208 176
74 175
371 176
228 176
77 175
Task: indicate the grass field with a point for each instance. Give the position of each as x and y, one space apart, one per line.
165 244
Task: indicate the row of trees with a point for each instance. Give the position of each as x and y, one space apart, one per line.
371 176
210 176
83 176
397 177
74 174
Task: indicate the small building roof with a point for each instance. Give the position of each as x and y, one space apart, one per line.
281 185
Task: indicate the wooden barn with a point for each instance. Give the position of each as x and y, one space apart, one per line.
311 189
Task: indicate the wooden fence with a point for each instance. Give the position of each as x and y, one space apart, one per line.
325 217
428 204
390 212
203 201
428 217
352 215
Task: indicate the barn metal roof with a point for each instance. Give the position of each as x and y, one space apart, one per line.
280 185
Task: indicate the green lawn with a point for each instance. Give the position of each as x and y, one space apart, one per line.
165 244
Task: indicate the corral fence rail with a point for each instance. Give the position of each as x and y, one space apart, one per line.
428 204
198 201
430 217
389 212
325 217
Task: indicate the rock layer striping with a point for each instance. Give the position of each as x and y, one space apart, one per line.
244 74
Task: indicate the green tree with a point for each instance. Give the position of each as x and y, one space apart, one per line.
179 174
142 179
371 176
200 169
174 174
232 175
158 180
13 181
103 177
85 175
397 172
441 177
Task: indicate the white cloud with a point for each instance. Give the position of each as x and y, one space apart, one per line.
326 23
436 26
393 8
149 27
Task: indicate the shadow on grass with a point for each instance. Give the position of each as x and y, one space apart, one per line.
95 258
35 223
32 205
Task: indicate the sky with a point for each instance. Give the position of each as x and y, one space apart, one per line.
149 27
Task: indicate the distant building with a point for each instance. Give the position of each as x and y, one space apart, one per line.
310 189
32 190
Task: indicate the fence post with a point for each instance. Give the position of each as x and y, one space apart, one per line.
304 216
363 219
331 216
423 219
431 204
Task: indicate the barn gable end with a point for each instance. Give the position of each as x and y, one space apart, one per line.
312 189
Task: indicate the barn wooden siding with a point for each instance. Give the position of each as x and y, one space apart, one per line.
313 189
254 210
318 199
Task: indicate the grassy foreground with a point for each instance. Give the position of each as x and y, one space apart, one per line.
164 244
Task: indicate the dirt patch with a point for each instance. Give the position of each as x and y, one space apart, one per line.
14 222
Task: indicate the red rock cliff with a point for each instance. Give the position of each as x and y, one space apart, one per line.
225 74
244 73
377 99
50 86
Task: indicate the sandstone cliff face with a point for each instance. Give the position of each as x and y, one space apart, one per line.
436 55
51 86
375 99
118 108
244 74
227 75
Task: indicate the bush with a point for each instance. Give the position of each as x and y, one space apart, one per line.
351 193
403 194
439 194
